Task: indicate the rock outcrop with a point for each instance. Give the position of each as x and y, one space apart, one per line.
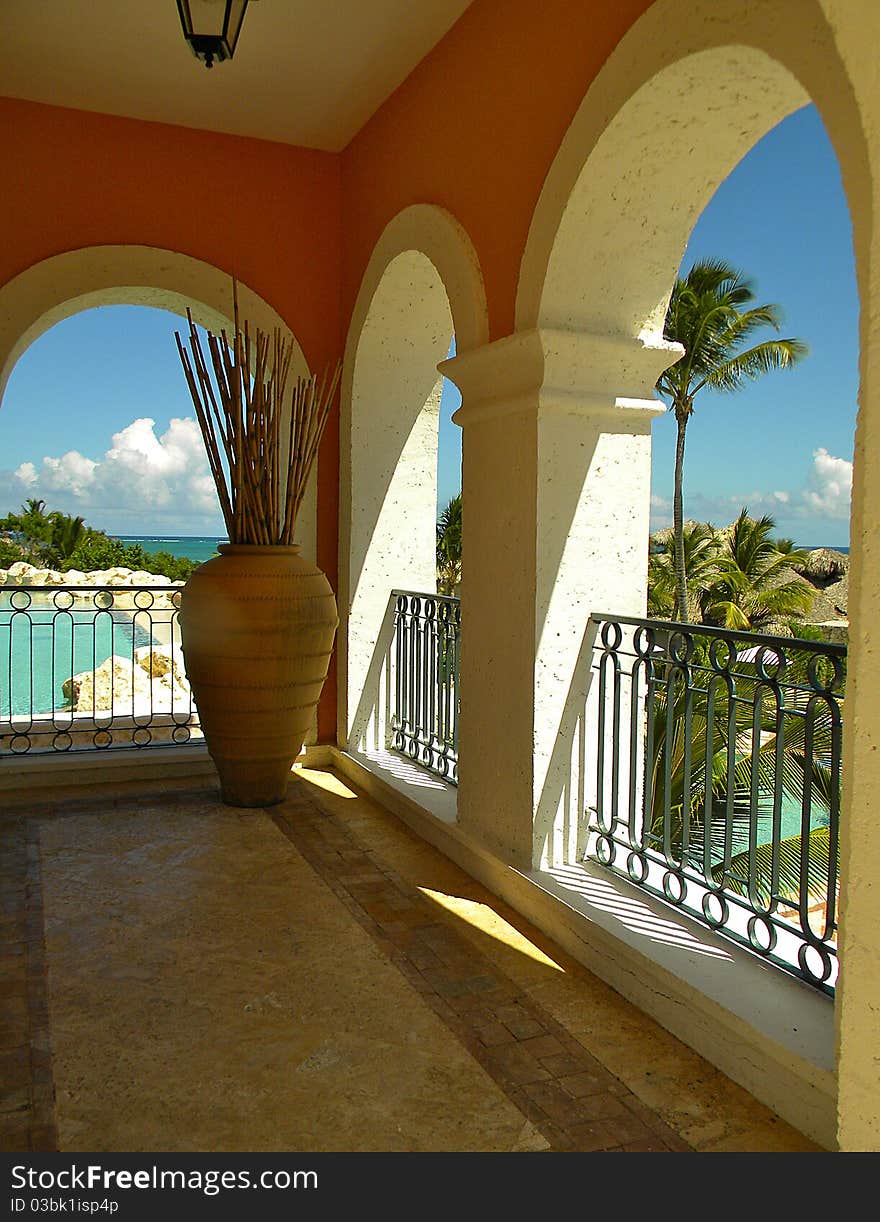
154 682
23 574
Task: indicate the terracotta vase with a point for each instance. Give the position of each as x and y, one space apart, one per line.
257 627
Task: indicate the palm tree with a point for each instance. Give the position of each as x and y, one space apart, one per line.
449 547
67 534
757 587
711 315
703 565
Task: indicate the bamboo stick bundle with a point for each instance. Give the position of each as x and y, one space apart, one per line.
239 392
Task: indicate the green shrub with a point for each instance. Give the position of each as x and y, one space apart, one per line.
10 553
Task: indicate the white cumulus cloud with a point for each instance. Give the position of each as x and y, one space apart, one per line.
144 482
829 486
826 494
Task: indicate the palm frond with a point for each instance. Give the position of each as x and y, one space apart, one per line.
790 880
771 355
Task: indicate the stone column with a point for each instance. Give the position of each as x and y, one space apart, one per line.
856 26
556 495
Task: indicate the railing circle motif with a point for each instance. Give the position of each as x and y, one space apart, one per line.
62 741
681 646
606 850
637 867
181 734
644 642
144 600
674 887
141 736
19 744
771 663
612 635
20 600
806 952
63 600
716 909
721 655
762 934
102 739
820 663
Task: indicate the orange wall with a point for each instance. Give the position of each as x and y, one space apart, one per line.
475 128
271 212
75 179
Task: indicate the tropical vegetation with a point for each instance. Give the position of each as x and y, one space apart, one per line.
717 745
449 547
739 577
54 540
713 316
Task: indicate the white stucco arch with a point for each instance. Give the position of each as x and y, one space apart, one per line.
65 284
421 286
687 92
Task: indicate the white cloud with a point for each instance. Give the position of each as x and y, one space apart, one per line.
661 512
71 473
826 494
143 483
829 486
27 474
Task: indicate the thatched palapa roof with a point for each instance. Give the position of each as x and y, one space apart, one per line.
825 563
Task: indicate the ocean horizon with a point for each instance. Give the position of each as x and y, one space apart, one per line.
188 547
203 547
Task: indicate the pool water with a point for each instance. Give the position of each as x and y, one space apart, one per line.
41 648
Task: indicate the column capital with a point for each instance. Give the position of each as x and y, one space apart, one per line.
574 372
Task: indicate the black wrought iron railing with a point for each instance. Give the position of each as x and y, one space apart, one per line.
424 690
717 780
92 668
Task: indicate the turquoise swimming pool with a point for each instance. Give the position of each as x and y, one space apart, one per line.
40 648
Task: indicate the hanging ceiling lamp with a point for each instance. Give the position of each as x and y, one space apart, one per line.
212 27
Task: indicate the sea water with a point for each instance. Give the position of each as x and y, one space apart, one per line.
189 547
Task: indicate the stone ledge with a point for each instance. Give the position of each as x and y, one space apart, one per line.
75 777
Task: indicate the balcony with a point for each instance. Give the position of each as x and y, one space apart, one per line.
136 908
664 706
357 982
548 1055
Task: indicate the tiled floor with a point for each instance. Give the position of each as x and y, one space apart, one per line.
315 977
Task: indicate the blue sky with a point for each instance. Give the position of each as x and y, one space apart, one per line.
781 217
86 421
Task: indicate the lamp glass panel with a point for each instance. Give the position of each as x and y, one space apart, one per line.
236 16
206 17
